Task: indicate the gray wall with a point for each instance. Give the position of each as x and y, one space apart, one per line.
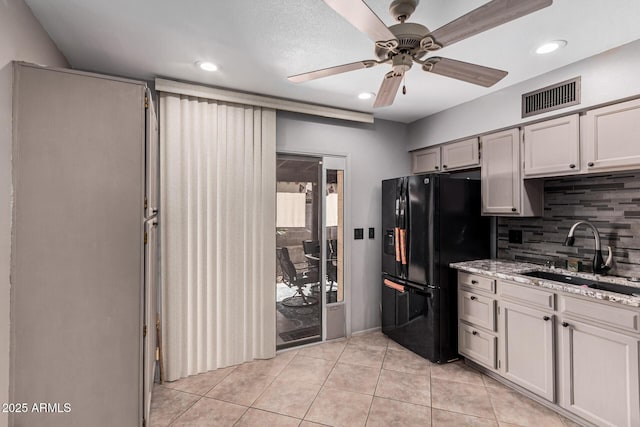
375 152
606 77
611 202
22 39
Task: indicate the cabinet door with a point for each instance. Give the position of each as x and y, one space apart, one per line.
425 160
526 349
552 147
612 137
150 309
501 173
461 155
599 379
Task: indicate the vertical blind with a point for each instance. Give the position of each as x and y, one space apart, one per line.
217 233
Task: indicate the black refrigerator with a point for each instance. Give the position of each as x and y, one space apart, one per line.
428 222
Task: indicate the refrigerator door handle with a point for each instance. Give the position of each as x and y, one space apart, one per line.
388 283
396 238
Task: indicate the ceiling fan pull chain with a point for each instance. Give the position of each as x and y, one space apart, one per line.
404 87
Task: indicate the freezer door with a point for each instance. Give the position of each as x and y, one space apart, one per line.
150 310
420 221
152 159
409 316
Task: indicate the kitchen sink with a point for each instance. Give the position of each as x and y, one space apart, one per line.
579 281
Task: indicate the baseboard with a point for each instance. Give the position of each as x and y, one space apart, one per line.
366 331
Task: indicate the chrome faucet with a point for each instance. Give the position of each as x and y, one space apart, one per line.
599 266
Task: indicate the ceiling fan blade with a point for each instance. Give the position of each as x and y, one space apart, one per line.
490 15
388 89
472 73
325 72
363 18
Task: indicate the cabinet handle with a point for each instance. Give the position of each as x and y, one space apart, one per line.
546 318
565 325
473 298
474 333
444 166
590 164
572 166
437 167
474 282
513 209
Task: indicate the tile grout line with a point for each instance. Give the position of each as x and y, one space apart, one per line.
335 362
272 381
183 412
376 387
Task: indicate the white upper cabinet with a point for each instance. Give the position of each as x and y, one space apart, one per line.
611 137
503 190
461 155
552 147
426 160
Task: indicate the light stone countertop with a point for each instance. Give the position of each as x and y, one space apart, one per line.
511 270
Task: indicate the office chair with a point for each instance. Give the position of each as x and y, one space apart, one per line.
291 277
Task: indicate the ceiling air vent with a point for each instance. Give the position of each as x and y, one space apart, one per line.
554 97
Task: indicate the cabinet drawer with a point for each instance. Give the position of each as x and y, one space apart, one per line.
598 313
477 345
477 310
527 295
477 282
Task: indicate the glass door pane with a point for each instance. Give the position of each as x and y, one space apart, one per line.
298 272
334 233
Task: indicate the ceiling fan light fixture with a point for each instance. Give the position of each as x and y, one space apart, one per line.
207 66
551 46
366 95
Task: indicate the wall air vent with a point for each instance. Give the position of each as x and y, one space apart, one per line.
554 97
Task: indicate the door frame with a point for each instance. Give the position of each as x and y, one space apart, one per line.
328 157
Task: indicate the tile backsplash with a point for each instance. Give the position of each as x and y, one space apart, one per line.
611 202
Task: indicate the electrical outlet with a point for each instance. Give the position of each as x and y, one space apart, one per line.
372 233
515 236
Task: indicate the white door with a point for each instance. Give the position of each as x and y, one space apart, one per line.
612 137
501 187
599 380
526 348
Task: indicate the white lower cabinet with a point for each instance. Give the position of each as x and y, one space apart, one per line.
599 380
583 354
527 348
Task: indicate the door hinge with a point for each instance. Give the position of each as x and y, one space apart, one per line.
145 237
145 203
499 364
146 102
498 309
144 331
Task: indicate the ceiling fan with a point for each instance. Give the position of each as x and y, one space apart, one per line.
404 44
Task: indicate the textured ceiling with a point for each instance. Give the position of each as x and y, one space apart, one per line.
258 43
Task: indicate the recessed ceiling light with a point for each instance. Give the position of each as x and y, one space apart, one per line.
550 46
366 95
207 66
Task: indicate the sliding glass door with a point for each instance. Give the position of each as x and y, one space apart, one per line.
298 266
310 248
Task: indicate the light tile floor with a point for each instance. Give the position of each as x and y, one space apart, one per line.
368 380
